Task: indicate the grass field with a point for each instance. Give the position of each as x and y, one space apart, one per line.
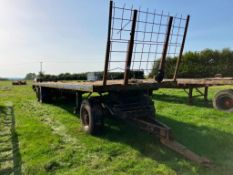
46 138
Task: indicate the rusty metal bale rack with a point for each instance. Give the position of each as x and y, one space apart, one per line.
136 39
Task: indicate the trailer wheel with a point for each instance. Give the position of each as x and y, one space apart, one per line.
91 115
223 100
42 94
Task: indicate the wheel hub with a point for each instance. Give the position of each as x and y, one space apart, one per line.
85 118
228 102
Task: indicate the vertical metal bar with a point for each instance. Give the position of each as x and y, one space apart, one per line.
136 37
107 54
130 48
181 49
172 30
160 75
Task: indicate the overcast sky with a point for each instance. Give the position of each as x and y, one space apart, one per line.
70 35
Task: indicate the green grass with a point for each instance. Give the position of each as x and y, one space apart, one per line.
47 139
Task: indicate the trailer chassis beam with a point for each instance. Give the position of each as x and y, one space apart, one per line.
163 132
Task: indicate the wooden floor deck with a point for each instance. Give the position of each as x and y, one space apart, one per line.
97 86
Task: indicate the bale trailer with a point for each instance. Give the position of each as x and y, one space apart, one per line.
135 39
223 100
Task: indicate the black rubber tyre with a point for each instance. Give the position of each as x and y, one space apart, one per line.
37 94
43 96
91 115
223 100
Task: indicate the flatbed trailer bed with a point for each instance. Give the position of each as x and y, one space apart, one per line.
146 84
113 85
200 82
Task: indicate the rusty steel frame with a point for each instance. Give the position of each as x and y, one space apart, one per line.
130 48
181 49
107 54
163 59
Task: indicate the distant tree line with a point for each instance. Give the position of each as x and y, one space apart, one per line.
63 76
83 76
206 63
30 76
3 79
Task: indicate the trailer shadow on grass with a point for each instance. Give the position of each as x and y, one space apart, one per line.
209 142
205 141
10 158
199 102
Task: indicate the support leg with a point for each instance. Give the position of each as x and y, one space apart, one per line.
206 95
190 95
